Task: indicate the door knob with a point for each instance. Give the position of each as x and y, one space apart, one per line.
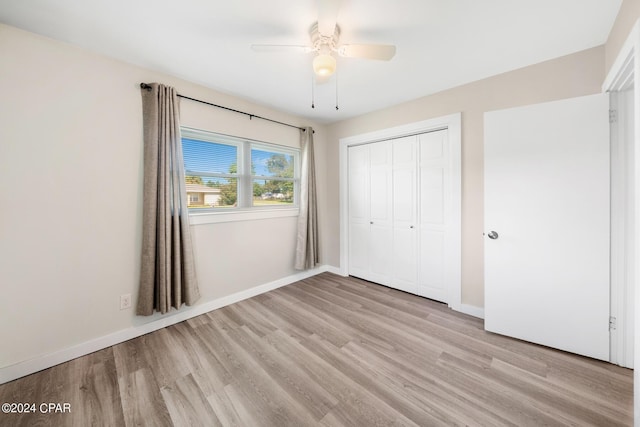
493 235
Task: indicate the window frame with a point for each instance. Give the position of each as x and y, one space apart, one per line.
245 210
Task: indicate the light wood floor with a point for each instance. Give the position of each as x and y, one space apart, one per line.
327 351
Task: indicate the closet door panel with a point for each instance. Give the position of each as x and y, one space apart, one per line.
435 206
380 183
404 181
432 196
381 238
359 211
404 260
404 214
432 265
380 195
381 233
359 249
359 183
404 194
370 233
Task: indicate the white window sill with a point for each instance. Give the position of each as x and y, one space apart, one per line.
212 217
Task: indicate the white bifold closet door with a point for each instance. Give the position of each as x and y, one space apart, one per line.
370 226
400 200
436 223
405 274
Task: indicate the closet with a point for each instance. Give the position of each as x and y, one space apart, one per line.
399 213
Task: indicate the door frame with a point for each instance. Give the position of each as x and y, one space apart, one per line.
622 226
453 123
621 77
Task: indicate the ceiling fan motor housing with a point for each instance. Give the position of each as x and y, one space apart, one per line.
322 43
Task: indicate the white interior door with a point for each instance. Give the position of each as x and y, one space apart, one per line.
547 197
404 196
380 265
370 227
359 210
436 218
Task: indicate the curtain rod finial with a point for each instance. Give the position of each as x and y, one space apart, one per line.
145 86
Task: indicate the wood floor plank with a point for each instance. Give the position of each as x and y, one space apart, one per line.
208 373
361 404
431 376
458 375
328 351
228 412
142 401
129 356
252 320
557 393
264 396
187 405
97 393
266 311
243 414
42 387
290 378
166 358
423 389
370 381
418 328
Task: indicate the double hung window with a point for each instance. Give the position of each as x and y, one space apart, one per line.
228 173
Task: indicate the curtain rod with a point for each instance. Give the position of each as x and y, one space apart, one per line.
251 116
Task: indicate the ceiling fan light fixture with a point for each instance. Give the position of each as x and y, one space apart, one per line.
324 65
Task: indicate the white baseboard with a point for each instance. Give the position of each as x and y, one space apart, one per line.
334 270
31 366
471 310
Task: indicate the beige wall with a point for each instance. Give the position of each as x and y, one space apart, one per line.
71 130
627 17
574 75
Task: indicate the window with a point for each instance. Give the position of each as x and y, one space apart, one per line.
229 173
272 177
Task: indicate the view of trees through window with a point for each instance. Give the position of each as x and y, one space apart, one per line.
268 170
213 180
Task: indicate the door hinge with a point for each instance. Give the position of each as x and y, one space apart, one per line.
613 116
612 323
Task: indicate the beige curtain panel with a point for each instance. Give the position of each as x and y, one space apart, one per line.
167 276
307 236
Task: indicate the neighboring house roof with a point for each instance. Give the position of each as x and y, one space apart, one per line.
199 188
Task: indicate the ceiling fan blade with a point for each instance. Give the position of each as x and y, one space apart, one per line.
383 52
328 16
287 48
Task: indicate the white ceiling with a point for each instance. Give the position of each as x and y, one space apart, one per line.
440 43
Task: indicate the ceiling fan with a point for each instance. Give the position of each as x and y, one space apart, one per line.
325 43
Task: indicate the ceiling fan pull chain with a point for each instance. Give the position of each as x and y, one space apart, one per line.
313 96
337 91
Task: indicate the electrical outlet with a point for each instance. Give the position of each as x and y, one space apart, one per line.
125 301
